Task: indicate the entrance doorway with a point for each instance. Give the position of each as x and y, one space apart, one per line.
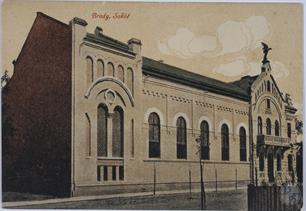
271 167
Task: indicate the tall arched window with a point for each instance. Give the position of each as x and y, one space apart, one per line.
181 138
154 135
261 162
102 130
242 140
120 73
89 70
225 142
268 126
130 80
289 130
276 128
279 161
118 132
268 86
110 69
259 125
88 136
205 139
100 68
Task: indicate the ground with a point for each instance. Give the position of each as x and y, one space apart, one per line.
221 200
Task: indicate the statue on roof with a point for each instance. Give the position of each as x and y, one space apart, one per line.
265 49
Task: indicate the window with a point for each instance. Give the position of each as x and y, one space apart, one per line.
181 138
121 173
120 73
290 163
105 173
154 136
279 161
268 86
130 80
118 131
100 68
268 104
268 126
242 139
99 173
88 135
114 175
259 124
89 70
225 142
289 130
205 140
110 69
261 162
276 128
102 130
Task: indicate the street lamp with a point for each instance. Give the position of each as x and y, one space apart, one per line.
200 141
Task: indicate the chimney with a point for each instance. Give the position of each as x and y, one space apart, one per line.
135 45
98 31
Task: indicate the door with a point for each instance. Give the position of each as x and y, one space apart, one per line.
271 167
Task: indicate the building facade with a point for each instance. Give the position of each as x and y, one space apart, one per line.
131 123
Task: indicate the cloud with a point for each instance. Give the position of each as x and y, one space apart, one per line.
236 36
241 66
279 70
230 37
186 45
231 69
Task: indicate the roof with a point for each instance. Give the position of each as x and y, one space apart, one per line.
178 75
245 83
108 41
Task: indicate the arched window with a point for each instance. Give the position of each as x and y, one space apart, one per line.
268 86
118 132
154 135
279 161
130 80
205 140
89 70
100 68
289 130
225 142
290 163
261 162
268 126
88 135
242 139
259 125
110 69
102 130
276 128
120 73
268 104
181 138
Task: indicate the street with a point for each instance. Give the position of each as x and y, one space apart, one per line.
221 200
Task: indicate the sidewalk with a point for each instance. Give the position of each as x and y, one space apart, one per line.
101 197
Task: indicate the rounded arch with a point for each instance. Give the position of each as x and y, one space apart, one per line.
180 114
205 118
111 79
263 98
227 122
154 110
242 125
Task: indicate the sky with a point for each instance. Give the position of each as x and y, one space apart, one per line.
218 40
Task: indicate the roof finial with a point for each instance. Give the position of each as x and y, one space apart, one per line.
265 49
